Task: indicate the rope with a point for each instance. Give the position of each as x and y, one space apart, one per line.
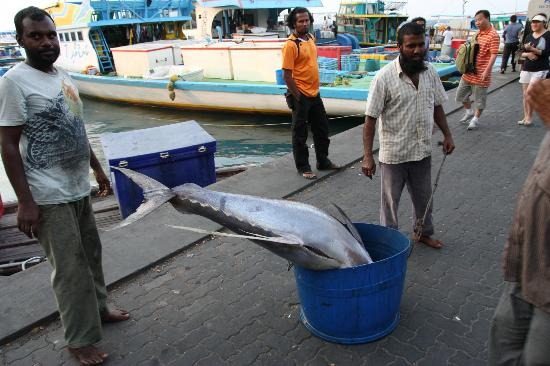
420 223
348 116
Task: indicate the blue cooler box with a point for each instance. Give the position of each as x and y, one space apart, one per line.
172 154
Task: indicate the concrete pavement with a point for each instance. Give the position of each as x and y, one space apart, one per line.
231 302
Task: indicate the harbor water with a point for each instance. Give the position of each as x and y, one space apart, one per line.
242 139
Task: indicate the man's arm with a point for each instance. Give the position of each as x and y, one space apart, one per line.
489 68
368 166
28 214
100 176
495 44
441 122
291 84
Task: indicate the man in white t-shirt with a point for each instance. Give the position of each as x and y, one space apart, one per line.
447 41
47 158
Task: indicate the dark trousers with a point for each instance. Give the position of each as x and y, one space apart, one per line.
520 332
417 176
509 49
312 110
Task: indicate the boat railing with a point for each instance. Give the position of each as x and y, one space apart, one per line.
140 10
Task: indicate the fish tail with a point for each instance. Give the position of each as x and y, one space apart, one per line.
155 195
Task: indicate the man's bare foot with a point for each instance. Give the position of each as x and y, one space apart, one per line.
429 241
114 315
88 355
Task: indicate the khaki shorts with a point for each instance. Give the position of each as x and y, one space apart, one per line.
528 77
465 90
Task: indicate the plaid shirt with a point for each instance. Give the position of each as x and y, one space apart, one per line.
406 113
527 259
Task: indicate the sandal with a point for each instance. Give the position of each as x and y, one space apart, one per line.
329 166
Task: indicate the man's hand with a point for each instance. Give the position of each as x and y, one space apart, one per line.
448 145
368 166
103 182
538 97
486 74
28 218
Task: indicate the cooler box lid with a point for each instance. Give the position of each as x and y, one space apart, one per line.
148 142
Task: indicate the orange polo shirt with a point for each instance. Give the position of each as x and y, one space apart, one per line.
489 42
303 64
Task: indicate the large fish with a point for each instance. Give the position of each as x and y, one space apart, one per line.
300 233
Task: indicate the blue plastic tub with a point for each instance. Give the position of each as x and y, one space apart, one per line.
359 304
279 77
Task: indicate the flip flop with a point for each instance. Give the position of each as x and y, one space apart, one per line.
309 175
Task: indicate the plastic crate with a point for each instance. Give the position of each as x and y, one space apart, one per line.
173 155
333 52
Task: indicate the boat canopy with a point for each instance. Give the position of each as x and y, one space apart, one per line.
258 4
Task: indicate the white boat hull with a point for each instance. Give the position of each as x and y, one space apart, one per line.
188 97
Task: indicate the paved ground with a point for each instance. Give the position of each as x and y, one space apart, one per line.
230 302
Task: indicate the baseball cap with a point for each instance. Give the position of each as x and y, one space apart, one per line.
538 18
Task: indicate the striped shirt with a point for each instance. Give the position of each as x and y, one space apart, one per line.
406 113
527 259
488 41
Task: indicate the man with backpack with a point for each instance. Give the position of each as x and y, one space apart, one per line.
474 83
301 75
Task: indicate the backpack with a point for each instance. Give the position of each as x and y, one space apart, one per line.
466 56
298 41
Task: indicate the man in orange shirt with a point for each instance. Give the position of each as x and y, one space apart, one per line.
475 84
301 74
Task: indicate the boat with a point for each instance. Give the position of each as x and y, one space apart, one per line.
10 52
373 22
108 46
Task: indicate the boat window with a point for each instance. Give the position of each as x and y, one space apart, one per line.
67 39
73 36
80 36
61 37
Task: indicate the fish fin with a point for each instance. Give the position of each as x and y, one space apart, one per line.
155 195
276 239
346 221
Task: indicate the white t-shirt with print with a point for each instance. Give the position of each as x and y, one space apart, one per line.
53 146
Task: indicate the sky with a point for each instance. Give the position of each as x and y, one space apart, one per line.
413 8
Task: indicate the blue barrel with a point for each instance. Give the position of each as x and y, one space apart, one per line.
359 304
343 40
354 40
279 77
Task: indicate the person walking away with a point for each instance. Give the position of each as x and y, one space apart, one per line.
301 75
446 48
511 43
536 66
406 96
476 84
520 328
47 158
